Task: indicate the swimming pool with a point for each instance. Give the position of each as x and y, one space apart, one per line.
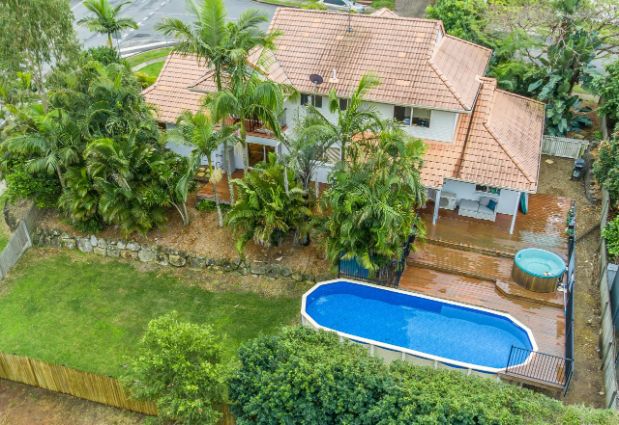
415 326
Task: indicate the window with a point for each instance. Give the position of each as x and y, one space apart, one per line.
421 117
402 114
343 104
487 189
307 98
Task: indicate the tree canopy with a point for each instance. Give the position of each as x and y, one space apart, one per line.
35 34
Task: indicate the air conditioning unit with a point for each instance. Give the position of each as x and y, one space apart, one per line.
448 201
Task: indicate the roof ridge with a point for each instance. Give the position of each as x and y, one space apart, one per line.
443 78
479 46
334 12
528 99
488 127
165 65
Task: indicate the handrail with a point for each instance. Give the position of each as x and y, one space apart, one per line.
542 367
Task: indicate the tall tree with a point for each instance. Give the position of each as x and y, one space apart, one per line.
220 45
466 19
354 121
198 131
35 34
372 202
247 100
561 38
607 86
105 19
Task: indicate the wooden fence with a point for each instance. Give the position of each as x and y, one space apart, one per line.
563 146
89 386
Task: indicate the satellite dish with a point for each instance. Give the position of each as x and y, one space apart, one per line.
316 79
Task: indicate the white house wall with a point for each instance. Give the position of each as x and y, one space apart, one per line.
442 123
506 200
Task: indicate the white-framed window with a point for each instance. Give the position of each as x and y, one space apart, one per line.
315 100
487 189
343 104
419 117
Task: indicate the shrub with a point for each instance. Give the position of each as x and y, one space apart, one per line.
309 377
178 366
606 168
103 54
40 188
264 212
306 377
611 234
145 80
206 205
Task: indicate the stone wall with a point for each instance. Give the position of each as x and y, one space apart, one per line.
166 256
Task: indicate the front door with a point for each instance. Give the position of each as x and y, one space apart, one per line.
258 153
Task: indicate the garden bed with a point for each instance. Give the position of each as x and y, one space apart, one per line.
203 237
89 312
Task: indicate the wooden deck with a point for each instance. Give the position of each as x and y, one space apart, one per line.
468 260
543 227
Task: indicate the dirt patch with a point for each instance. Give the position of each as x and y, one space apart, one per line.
204 237
26 405
587 385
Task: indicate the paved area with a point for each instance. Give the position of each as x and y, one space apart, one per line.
147 13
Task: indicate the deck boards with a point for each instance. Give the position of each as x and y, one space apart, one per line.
469 260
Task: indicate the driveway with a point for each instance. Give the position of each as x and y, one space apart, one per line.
147 13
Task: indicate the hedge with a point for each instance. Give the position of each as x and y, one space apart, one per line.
308 377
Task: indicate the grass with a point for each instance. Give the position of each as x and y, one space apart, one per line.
149 55
89 312
154 69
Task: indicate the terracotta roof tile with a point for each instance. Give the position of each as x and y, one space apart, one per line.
415 62
171 93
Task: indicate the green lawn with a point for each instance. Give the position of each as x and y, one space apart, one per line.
89 312
146 56
153 69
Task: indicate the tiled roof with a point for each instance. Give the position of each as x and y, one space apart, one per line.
172 94
503 148
498 144
416 63
385 12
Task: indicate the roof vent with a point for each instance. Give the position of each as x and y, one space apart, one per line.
334 79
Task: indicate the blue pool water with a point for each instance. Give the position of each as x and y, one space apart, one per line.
429 326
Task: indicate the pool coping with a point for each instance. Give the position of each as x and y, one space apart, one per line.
444 360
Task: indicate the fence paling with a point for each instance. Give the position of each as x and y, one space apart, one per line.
563 146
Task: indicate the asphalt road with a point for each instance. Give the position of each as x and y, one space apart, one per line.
147 13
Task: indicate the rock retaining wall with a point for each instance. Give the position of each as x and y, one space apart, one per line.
166 256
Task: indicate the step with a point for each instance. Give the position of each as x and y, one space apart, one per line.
473 264
472 248
511 289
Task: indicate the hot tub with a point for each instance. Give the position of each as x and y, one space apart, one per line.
537 269
402 325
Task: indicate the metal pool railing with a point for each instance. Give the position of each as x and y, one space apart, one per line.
543 368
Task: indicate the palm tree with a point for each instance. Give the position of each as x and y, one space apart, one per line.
249 99
372 203
356 120
50 141
222 46
198 131
106 19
